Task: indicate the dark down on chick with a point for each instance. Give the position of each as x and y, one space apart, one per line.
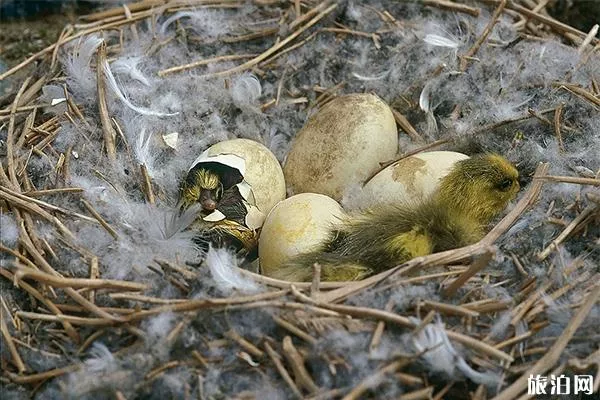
212 186
474 192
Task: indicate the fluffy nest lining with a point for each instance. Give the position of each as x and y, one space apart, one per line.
101 297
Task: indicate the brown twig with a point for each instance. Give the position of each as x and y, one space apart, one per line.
449 5
381 315
10 156
99 218
107 128
464 63
147 184
44 300
22 272
567 231
375 379
42 376
17 360
273 49
295 330
570 179
555 351
407 127
296 361
207 61
244 344
282 371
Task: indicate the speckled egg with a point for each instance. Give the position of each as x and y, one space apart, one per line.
410 179
296 225
341 145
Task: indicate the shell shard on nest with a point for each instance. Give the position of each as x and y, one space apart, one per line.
171 139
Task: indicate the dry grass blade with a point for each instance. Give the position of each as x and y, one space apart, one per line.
570 179
295 359
464 63
71 332
59 294
449 5
381 315
374 379
551 357
589 210
282 371
8 340
272 50
107 128
22 272
199 63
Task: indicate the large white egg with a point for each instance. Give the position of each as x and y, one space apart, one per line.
263 183
296 225
344 143
409 180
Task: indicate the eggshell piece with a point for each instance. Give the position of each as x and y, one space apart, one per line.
341 145
296 225
263 185
411 179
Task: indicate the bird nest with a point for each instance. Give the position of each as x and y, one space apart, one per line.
102 298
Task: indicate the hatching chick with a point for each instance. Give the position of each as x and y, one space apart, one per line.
469 197
201 186
213 186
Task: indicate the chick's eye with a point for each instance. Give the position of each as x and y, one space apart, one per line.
505 184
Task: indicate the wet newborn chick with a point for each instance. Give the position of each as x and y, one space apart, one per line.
213 187
204 187
469 197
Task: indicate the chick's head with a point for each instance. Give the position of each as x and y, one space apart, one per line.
201 186
480 187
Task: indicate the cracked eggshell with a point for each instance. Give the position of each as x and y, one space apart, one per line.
341 145
296 225
411 179
263 185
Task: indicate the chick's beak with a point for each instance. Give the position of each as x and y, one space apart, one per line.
209 204
207 200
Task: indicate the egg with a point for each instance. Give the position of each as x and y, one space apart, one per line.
296 225
341 145
263 183
410 179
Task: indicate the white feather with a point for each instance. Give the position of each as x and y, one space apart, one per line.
142 150
114 87
78 67
101 359
173 18
223 268
129 66
207 23
371 78
245 90
425 97
440 41
440 355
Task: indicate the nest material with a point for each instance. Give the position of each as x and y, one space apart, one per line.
172 334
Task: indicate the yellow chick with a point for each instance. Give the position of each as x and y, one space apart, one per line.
469 197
